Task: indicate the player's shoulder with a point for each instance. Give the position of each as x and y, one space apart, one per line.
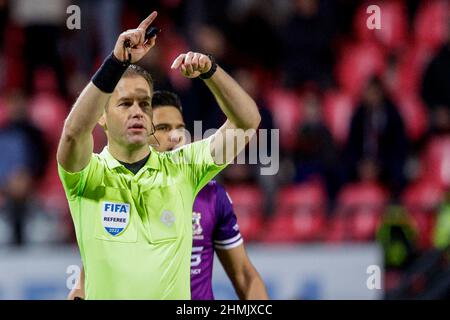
208 190
214 190
215 187
222 194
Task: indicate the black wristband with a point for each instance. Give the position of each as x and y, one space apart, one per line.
211 71
109 74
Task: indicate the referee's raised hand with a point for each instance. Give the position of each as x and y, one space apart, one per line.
139 45
192 64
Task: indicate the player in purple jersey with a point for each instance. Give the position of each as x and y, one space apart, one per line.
214 223
214 227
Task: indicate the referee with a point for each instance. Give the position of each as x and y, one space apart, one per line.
134 229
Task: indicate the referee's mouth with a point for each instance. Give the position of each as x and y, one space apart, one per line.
137 127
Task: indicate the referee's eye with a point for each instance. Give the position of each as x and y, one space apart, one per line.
145 105
125 104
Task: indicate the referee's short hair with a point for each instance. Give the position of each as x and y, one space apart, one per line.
135 70
166 98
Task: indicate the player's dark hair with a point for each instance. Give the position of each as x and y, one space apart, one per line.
135 70
166 98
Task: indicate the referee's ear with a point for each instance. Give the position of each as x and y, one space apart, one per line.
102 122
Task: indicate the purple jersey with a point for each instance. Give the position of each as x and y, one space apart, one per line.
214 226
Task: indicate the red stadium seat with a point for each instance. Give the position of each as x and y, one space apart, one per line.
430 25
337 229
300 214
424 195
410 69
337 111
414 115
363 196
287 110
436 161
405 89
358 62
421 201
393 33
247 203
359 211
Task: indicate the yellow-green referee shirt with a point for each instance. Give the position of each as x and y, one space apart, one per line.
135 231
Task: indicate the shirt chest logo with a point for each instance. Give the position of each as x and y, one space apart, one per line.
168 218
115 217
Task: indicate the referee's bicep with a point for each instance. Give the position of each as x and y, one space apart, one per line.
74 152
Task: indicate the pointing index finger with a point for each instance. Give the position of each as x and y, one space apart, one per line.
148 21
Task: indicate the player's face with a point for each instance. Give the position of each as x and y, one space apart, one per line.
170 128
127 119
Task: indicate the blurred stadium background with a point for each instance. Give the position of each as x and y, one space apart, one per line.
364 126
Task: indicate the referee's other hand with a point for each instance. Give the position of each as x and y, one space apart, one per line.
192 64
139 46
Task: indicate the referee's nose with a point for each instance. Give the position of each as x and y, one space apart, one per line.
136 111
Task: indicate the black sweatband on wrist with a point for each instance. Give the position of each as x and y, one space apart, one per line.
109 74
212 70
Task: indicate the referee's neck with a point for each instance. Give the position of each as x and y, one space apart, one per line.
129 155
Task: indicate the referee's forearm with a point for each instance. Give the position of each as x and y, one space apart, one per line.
86 112
76 143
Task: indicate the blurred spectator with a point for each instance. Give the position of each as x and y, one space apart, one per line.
442 227
269 183
24 157
441 121
210 40
3 20
412 6
42 21
315 154
377 131
398 239
368 171
439 126
306 43
102 19
436 80
435 90
253 34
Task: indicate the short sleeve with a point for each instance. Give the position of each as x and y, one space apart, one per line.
74 183
197 163
226 233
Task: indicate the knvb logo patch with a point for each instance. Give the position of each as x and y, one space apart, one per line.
115 217
168 218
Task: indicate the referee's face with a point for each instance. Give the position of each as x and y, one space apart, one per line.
127 119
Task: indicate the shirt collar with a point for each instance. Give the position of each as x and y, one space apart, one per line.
112 163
